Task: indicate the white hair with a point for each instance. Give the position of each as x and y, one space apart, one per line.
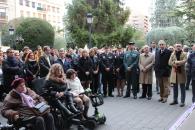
161 42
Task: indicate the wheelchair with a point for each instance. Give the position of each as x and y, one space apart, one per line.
96 100
60 118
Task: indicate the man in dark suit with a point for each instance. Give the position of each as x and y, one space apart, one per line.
11 70
162 70
107 67
45 61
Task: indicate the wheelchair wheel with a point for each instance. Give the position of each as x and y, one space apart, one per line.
102 120
90 124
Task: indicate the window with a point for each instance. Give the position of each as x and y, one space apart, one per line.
33 4
28 14
34 14
58 10
53 9
44 16
21 13
27 3
48 8
21 2
2 13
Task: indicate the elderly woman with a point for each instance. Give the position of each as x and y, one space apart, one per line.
57 88
19 103
77 90
146 62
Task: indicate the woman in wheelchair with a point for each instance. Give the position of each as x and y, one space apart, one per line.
78 92
57 89
19 105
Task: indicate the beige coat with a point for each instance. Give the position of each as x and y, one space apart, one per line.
181 76
146 68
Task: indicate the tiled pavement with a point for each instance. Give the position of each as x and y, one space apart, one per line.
139 114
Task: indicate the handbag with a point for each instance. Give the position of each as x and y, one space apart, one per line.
41 108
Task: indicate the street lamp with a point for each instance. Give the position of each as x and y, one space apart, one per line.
11 33
11 30
89 21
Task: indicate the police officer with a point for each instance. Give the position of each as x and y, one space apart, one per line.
107 67
131 58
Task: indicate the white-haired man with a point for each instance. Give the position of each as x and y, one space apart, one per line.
162 70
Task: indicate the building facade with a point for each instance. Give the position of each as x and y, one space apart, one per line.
139 22
3 12
49 10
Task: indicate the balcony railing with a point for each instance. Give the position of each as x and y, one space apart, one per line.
3 1
41 9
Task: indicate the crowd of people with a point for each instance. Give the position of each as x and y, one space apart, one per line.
102 70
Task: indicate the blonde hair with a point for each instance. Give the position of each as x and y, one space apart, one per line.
52 72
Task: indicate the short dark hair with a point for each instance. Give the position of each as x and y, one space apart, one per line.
69 73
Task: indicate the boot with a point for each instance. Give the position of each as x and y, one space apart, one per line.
68 113
70 104
85 111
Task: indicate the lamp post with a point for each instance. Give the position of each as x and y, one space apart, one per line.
89 21
11 33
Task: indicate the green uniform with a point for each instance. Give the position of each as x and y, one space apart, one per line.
131 59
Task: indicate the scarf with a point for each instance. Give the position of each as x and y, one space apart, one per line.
26 99
12 61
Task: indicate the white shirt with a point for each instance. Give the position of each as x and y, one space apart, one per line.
75 86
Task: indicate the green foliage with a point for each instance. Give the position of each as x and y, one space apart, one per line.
186 10
108 24
163 14
7 39
171 35
59 42
35 32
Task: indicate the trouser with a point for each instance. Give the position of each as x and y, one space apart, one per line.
107 81
95 83
193 91
188 81
132 80
45 122
164 87
175 92
147 90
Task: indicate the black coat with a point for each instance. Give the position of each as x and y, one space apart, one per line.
44 65
85 65
52 87
11 70
118 63
106 61
162 68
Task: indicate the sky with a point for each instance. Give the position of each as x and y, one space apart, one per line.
138 6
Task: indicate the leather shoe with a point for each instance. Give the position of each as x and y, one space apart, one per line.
135 97
164 100
126 96
149 98
173 103
160 100
111 95
142 97
182 105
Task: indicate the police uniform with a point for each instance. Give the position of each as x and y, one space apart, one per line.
131 59
107 61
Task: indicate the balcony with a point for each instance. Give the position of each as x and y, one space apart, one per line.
41 9
3 1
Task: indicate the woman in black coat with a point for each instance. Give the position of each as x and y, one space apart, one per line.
32 68
95 71
85 69
56 88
